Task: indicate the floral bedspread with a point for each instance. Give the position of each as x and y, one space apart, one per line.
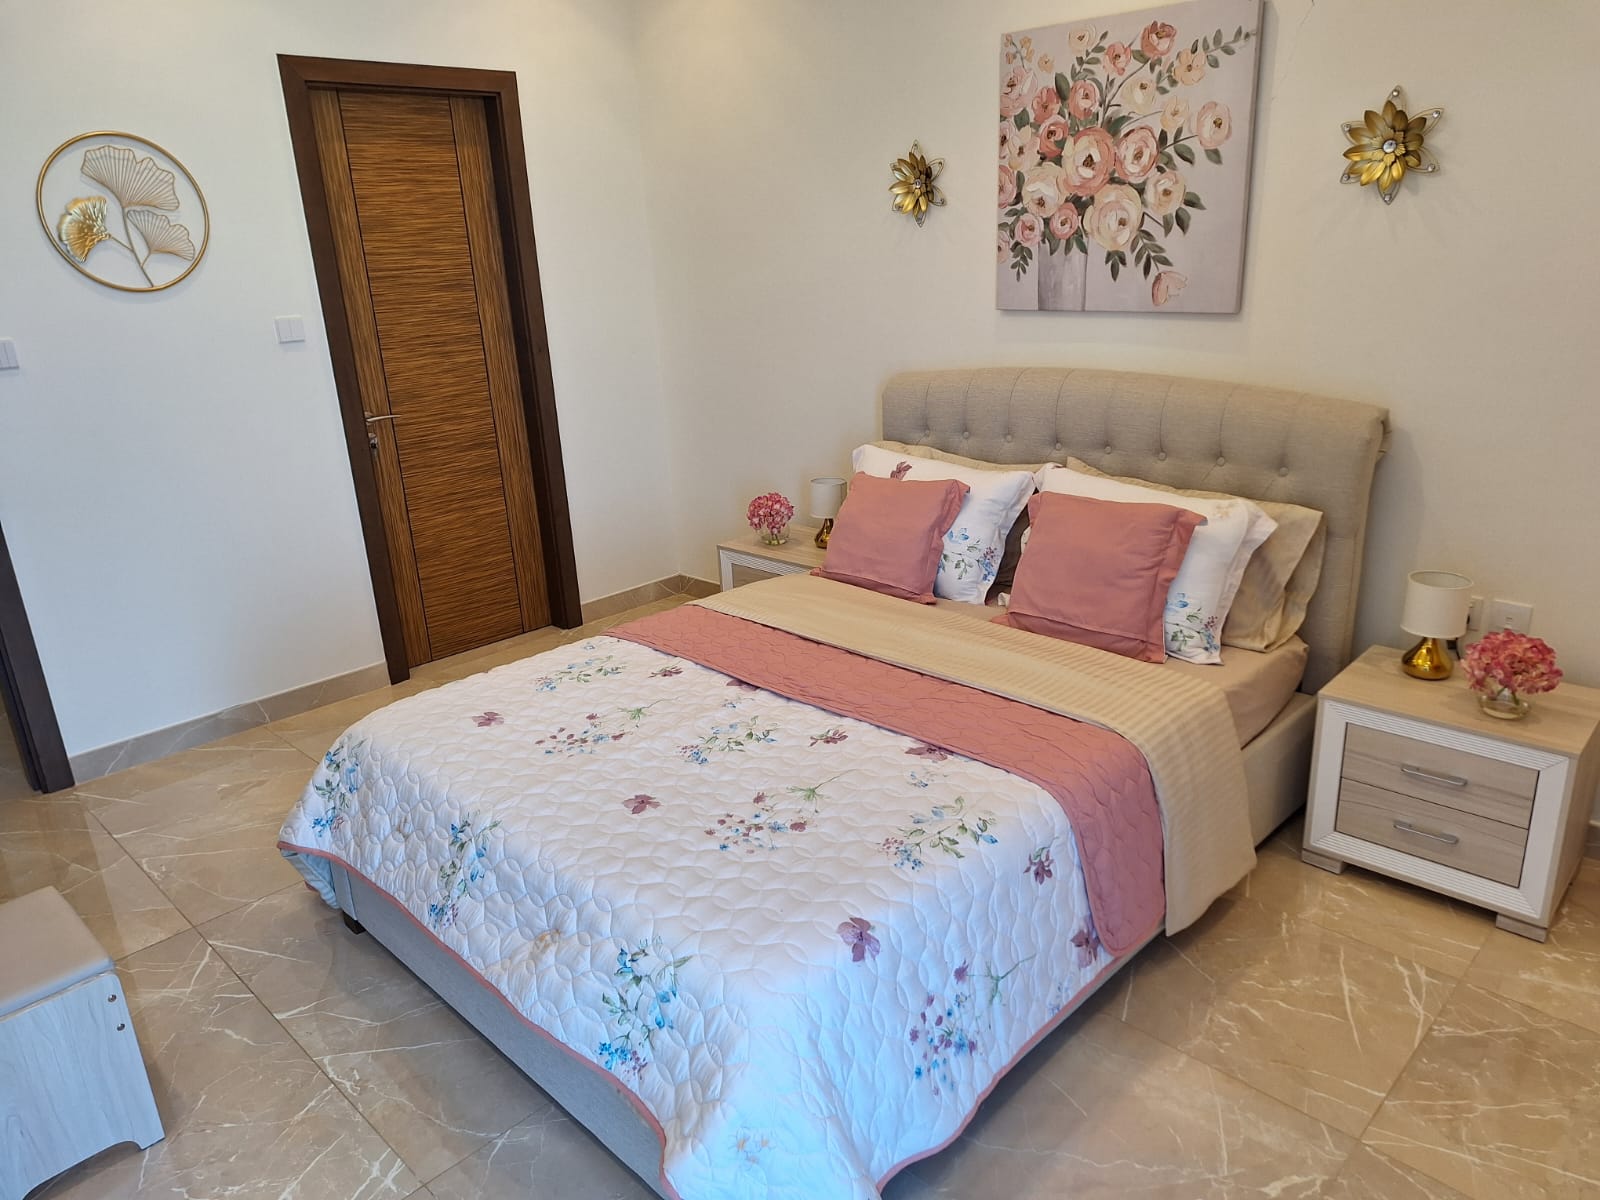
806 944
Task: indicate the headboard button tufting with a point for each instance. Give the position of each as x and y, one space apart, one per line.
1108 447
1221 462
1283 470
1161 456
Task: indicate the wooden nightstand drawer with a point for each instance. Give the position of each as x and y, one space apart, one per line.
1458 779
743 574
1448 836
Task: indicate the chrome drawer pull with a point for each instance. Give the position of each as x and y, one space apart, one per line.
1449 839
1430 777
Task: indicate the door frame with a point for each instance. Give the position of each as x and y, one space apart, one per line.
27 698
498 89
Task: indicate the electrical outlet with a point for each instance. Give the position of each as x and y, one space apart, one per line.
1475 614
1509 614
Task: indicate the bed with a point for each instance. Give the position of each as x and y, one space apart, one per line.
769 893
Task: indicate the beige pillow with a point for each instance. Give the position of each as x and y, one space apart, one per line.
1270 605
1006 573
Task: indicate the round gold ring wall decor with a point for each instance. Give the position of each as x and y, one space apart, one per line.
123 211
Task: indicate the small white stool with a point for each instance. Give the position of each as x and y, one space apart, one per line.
72 1082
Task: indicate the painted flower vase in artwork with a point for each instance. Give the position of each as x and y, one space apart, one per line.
769 515
1504 668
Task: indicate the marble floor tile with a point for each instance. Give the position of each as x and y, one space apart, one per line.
210 863
1108 1112
247 1114
426 1081
1317 1019
1560 977
1368 1175
313 732
161 794
1440 933
1501 1102
52 841
549 1156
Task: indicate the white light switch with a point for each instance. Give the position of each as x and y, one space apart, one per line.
290 329
8 355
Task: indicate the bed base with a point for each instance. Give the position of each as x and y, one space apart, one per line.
588 1096
1277 763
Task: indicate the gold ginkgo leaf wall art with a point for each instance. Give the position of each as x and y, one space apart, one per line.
123 211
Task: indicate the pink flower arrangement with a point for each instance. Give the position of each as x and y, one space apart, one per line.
1513 662
769 512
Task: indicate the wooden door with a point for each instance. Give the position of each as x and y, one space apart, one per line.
417 237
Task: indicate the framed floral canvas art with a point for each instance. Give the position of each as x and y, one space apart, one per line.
1124 169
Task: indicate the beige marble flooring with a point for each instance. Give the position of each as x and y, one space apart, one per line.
1314 1036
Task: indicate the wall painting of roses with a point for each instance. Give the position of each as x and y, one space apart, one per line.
1124 170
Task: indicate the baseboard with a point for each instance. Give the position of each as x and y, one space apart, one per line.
147 747
646 593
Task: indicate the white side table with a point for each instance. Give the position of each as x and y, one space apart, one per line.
72 1081
1410 779
746 558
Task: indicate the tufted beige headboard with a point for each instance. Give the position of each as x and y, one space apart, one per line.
1252 441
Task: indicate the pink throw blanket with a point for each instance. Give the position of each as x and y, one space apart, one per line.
1099 778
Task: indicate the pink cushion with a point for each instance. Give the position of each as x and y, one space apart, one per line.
889 534
1097 572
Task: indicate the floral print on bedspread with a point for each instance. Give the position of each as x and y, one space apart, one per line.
683 879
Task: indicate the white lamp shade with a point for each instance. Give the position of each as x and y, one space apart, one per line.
1436 604
827 494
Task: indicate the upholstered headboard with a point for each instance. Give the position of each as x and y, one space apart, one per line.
1264 443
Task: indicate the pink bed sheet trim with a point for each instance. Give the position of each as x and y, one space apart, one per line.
638 1105
1098 777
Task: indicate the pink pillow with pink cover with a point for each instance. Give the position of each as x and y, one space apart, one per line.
889 534
1097 572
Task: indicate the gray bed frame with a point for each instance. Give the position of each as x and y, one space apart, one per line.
1259 442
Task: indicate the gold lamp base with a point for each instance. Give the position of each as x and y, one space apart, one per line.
1428 659
822 533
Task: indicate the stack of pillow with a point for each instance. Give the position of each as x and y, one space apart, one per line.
1124 565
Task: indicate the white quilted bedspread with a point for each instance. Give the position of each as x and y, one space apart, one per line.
806 944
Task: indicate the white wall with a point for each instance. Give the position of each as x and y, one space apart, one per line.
1468 307
173 483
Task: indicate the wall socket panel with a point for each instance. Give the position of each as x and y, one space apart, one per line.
1475 614
1509 614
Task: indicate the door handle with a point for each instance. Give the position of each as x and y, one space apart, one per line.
372 437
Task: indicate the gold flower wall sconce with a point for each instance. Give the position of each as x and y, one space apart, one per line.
1388 145
123 211
914 191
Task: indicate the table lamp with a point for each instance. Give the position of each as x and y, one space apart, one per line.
1436 611
827 494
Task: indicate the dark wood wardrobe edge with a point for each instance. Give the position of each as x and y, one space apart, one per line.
499 89
33 714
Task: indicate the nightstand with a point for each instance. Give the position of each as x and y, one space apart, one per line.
1410 779
746 558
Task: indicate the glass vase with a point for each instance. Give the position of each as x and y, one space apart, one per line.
775 537
1504 704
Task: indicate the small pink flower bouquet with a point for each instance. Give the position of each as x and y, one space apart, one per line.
770 513
1505 666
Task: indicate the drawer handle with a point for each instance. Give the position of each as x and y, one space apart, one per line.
1449 839
1430 777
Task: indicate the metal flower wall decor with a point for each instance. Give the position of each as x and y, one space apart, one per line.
143 225
913 188
1386 146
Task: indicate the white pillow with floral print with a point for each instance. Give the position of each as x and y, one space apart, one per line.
974 545
1200 596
